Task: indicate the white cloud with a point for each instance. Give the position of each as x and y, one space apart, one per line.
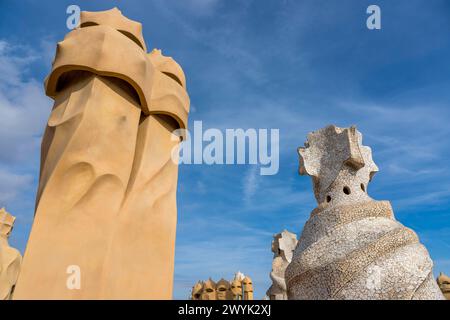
429 199
24 109
250 183
11 185
12 61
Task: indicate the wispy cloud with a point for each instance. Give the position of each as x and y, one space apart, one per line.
250 184
23 112
23 105
11 185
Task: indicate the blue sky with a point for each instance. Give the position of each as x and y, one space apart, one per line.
292 65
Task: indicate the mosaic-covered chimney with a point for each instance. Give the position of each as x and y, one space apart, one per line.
352 247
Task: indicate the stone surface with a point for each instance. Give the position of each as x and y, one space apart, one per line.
283 246
196 293
240 288
10 258
444 284
106 200
209 290
223 290
247 287
352 247
236 287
